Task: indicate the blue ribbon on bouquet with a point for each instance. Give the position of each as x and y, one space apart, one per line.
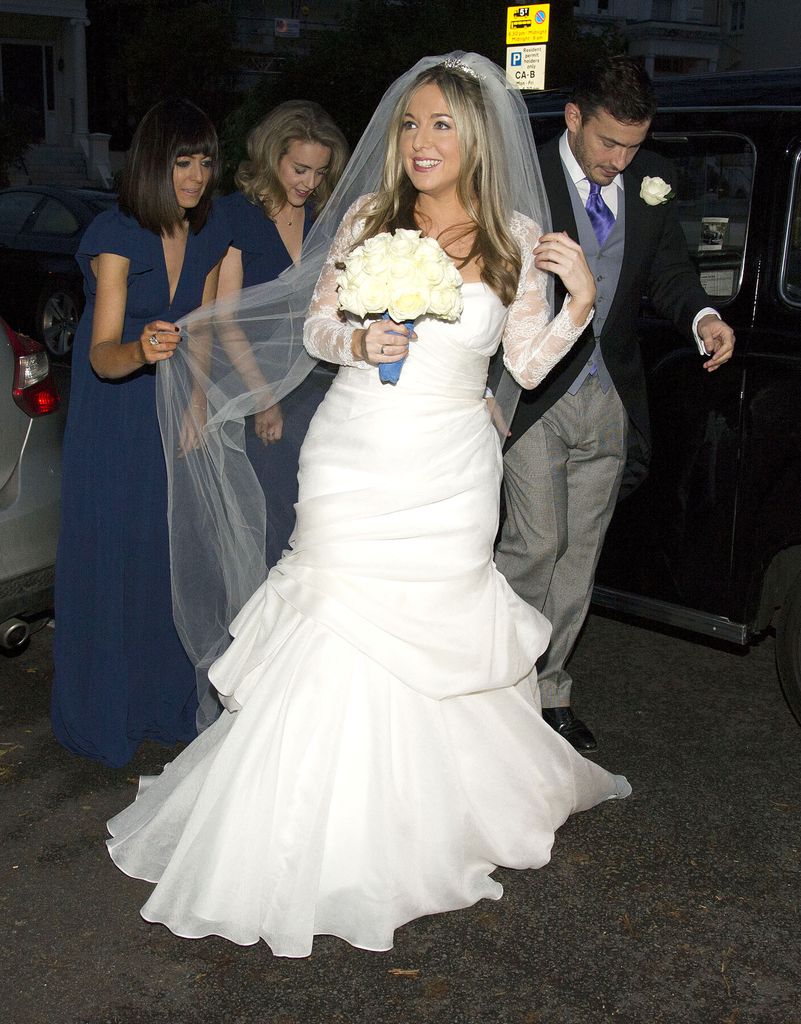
389 373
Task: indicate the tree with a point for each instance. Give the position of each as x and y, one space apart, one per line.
348 69
143 50
570 51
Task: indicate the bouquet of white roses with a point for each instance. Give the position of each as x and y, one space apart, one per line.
401 276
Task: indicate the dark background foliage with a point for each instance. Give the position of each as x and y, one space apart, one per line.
140 51
143 50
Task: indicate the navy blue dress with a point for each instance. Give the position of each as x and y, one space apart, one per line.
121 673
264 257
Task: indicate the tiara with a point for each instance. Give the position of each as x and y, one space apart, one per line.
455 63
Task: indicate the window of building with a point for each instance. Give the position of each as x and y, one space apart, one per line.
662 10
791 259
667 65
713 186
736 15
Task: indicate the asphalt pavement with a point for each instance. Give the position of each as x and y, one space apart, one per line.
679 905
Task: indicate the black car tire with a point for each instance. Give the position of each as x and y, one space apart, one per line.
57 313
788 647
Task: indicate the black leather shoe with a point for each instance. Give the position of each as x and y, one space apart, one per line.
563 721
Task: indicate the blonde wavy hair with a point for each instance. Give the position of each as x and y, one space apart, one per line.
480 186
293 121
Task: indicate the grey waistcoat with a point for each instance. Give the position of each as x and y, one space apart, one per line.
605 265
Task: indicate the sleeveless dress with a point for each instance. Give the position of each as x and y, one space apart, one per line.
121 674
264 257
383 749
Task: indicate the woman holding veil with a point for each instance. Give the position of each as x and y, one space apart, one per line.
296 155
382 749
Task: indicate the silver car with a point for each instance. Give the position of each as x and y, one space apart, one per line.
31 428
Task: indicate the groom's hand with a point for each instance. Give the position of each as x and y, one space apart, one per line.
718 340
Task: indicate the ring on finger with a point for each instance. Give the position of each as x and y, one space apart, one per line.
382 350
153 339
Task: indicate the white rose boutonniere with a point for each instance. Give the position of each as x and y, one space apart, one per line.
655 191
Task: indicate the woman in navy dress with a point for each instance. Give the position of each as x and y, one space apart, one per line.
121 673
296 156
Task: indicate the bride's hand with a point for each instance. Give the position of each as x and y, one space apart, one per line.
383 341
558 254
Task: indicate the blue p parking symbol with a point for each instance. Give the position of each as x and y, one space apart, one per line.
515 59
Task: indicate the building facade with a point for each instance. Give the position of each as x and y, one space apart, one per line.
671 37
760 34
674 37
43 71
267 30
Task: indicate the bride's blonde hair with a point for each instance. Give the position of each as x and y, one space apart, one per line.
480 187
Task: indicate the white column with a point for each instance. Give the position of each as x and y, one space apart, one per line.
81 128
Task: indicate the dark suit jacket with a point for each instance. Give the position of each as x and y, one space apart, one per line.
655 263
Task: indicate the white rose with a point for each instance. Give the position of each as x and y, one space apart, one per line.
354 263
655 191
433 271
376 264
408 299
373 294
378 243
404 242
401 267
453 275
445 302
430 246
350 300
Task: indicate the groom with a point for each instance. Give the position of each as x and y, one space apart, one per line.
565 460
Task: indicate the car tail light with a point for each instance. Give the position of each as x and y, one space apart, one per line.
34 389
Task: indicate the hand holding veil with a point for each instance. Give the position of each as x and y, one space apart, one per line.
245 353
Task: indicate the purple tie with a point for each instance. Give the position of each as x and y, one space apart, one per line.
601 217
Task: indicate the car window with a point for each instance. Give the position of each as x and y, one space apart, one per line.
791 262
713 187
55 219
101 203
15 208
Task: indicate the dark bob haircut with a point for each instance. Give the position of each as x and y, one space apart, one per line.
169 130
618 85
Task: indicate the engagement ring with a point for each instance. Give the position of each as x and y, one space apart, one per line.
153 339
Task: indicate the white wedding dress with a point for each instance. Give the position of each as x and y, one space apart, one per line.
383 749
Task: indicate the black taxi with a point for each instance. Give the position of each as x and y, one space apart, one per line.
711 540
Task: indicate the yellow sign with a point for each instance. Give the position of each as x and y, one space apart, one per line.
525 66
527 24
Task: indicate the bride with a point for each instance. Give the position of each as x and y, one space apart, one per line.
382 750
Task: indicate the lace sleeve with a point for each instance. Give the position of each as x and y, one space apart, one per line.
326 333
533 343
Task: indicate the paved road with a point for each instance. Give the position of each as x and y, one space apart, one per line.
677 906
